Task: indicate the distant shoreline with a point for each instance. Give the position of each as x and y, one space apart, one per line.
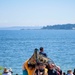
48 27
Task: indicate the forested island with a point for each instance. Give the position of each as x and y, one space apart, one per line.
60 26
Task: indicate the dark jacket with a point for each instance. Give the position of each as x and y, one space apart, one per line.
44 54
52 72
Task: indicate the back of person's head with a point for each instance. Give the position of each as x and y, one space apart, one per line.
69 71
5 70
64 73
41 49
35 50
16 74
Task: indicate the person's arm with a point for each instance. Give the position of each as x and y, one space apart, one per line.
34 73
25 65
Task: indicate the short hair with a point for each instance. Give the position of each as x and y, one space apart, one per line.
69 71
41 48
16 74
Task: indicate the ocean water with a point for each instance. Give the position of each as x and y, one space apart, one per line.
16 46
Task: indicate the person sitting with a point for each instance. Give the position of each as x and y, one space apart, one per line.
42 52
40 69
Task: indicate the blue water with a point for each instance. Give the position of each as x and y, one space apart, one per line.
16 46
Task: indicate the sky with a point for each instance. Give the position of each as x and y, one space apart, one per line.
36 12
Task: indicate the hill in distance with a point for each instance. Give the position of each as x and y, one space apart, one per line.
50 27
60 27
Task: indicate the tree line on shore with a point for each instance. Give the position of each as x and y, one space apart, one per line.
60 26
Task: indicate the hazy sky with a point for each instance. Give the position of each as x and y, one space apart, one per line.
36 12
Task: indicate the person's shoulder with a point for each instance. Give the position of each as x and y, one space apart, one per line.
40 52
45 54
